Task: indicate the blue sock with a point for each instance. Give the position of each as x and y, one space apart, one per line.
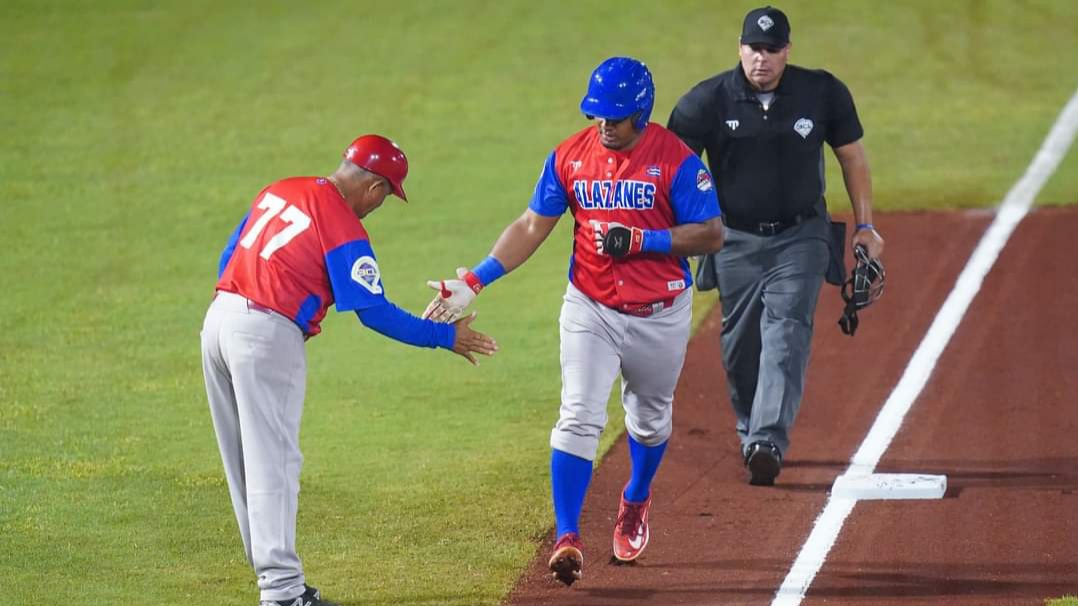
646 461
569 477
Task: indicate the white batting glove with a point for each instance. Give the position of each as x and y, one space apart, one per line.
454 296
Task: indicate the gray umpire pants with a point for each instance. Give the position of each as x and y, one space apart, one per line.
768 288
255 368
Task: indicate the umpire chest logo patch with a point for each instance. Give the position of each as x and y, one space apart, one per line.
803 127
365 273
733 124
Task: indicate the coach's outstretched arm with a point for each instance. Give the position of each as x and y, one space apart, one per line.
458 337
517 244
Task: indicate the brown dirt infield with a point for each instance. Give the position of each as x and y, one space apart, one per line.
999 417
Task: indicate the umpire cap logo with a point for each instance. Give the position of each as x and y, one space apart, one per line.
365 273
765 23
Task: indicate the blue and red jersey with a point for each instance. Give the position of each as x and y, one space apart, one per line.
658 184
299 250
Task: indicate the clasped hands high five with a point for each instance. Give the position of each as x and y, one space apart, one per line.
454 296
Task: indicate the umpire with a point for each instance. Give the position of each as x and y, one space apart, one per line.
763 125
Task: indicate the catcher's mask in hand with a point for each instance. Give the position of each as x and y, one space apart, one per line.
863 288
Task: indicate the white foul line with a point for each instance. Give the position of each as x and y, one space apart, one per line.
1013 208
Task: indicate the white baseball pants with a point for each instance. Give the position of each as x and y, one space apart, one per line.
255 368
596 344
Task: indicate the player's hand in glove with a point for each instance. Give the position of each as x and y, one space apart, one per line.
617 240
471 342
454 296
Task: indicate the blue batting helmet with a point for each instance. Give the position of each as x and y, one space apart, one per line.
620 87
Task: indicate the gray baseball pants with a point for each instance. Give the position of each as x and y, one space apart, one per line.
768 288
255 368
596 344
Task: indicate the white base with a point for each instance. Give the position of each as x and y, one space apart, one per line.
889 486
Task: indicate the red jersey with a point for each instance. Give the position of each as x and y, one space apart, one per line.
299 250
658 184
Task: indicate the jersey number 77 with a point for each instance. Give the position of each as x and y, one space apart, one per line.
296 219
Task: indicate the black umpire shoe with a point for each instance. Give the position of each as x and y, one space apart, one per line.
764 462
310 597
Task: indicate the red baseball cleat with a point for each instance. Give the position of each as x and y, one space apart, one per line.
567 562
631 531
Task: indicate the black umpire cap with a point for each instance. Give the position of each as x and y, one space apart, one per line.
767 25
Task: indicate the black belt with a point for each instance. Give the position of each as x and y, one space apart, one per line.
768 228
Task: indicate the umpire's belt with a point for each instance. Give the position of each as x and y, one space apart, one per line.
647 309
768 228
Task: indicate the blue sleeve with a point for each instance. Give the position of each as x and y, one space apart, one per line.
402 326
692 192
354 276
226 254
549 199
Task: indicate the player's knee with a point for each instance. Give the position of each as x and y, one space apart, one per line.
650 434
583 446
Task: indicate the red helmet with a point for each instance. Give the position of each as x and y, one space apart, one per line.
382 157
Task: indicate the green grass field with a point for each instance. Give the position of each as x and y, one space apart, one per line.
135 134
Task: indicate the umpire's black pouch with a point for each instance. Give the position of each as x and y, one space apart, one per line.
836 268
707 276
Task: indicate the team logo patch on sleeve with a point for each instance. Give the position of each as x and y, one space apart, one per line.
365 273
654 171
703 180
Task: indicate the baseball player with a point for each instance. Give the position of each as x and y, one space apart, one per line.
301 248
641 201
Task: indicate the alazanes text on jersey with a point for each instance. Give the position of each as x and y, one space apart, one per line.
610 195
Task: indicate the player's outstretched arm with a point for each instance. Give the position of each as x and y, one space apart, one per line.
517 243
469 342
522 238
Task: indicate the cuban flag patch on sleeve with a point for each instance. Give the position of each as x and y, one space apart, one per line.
703 180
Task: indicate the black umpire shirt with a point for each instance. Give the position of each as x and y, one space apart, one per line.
768 165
